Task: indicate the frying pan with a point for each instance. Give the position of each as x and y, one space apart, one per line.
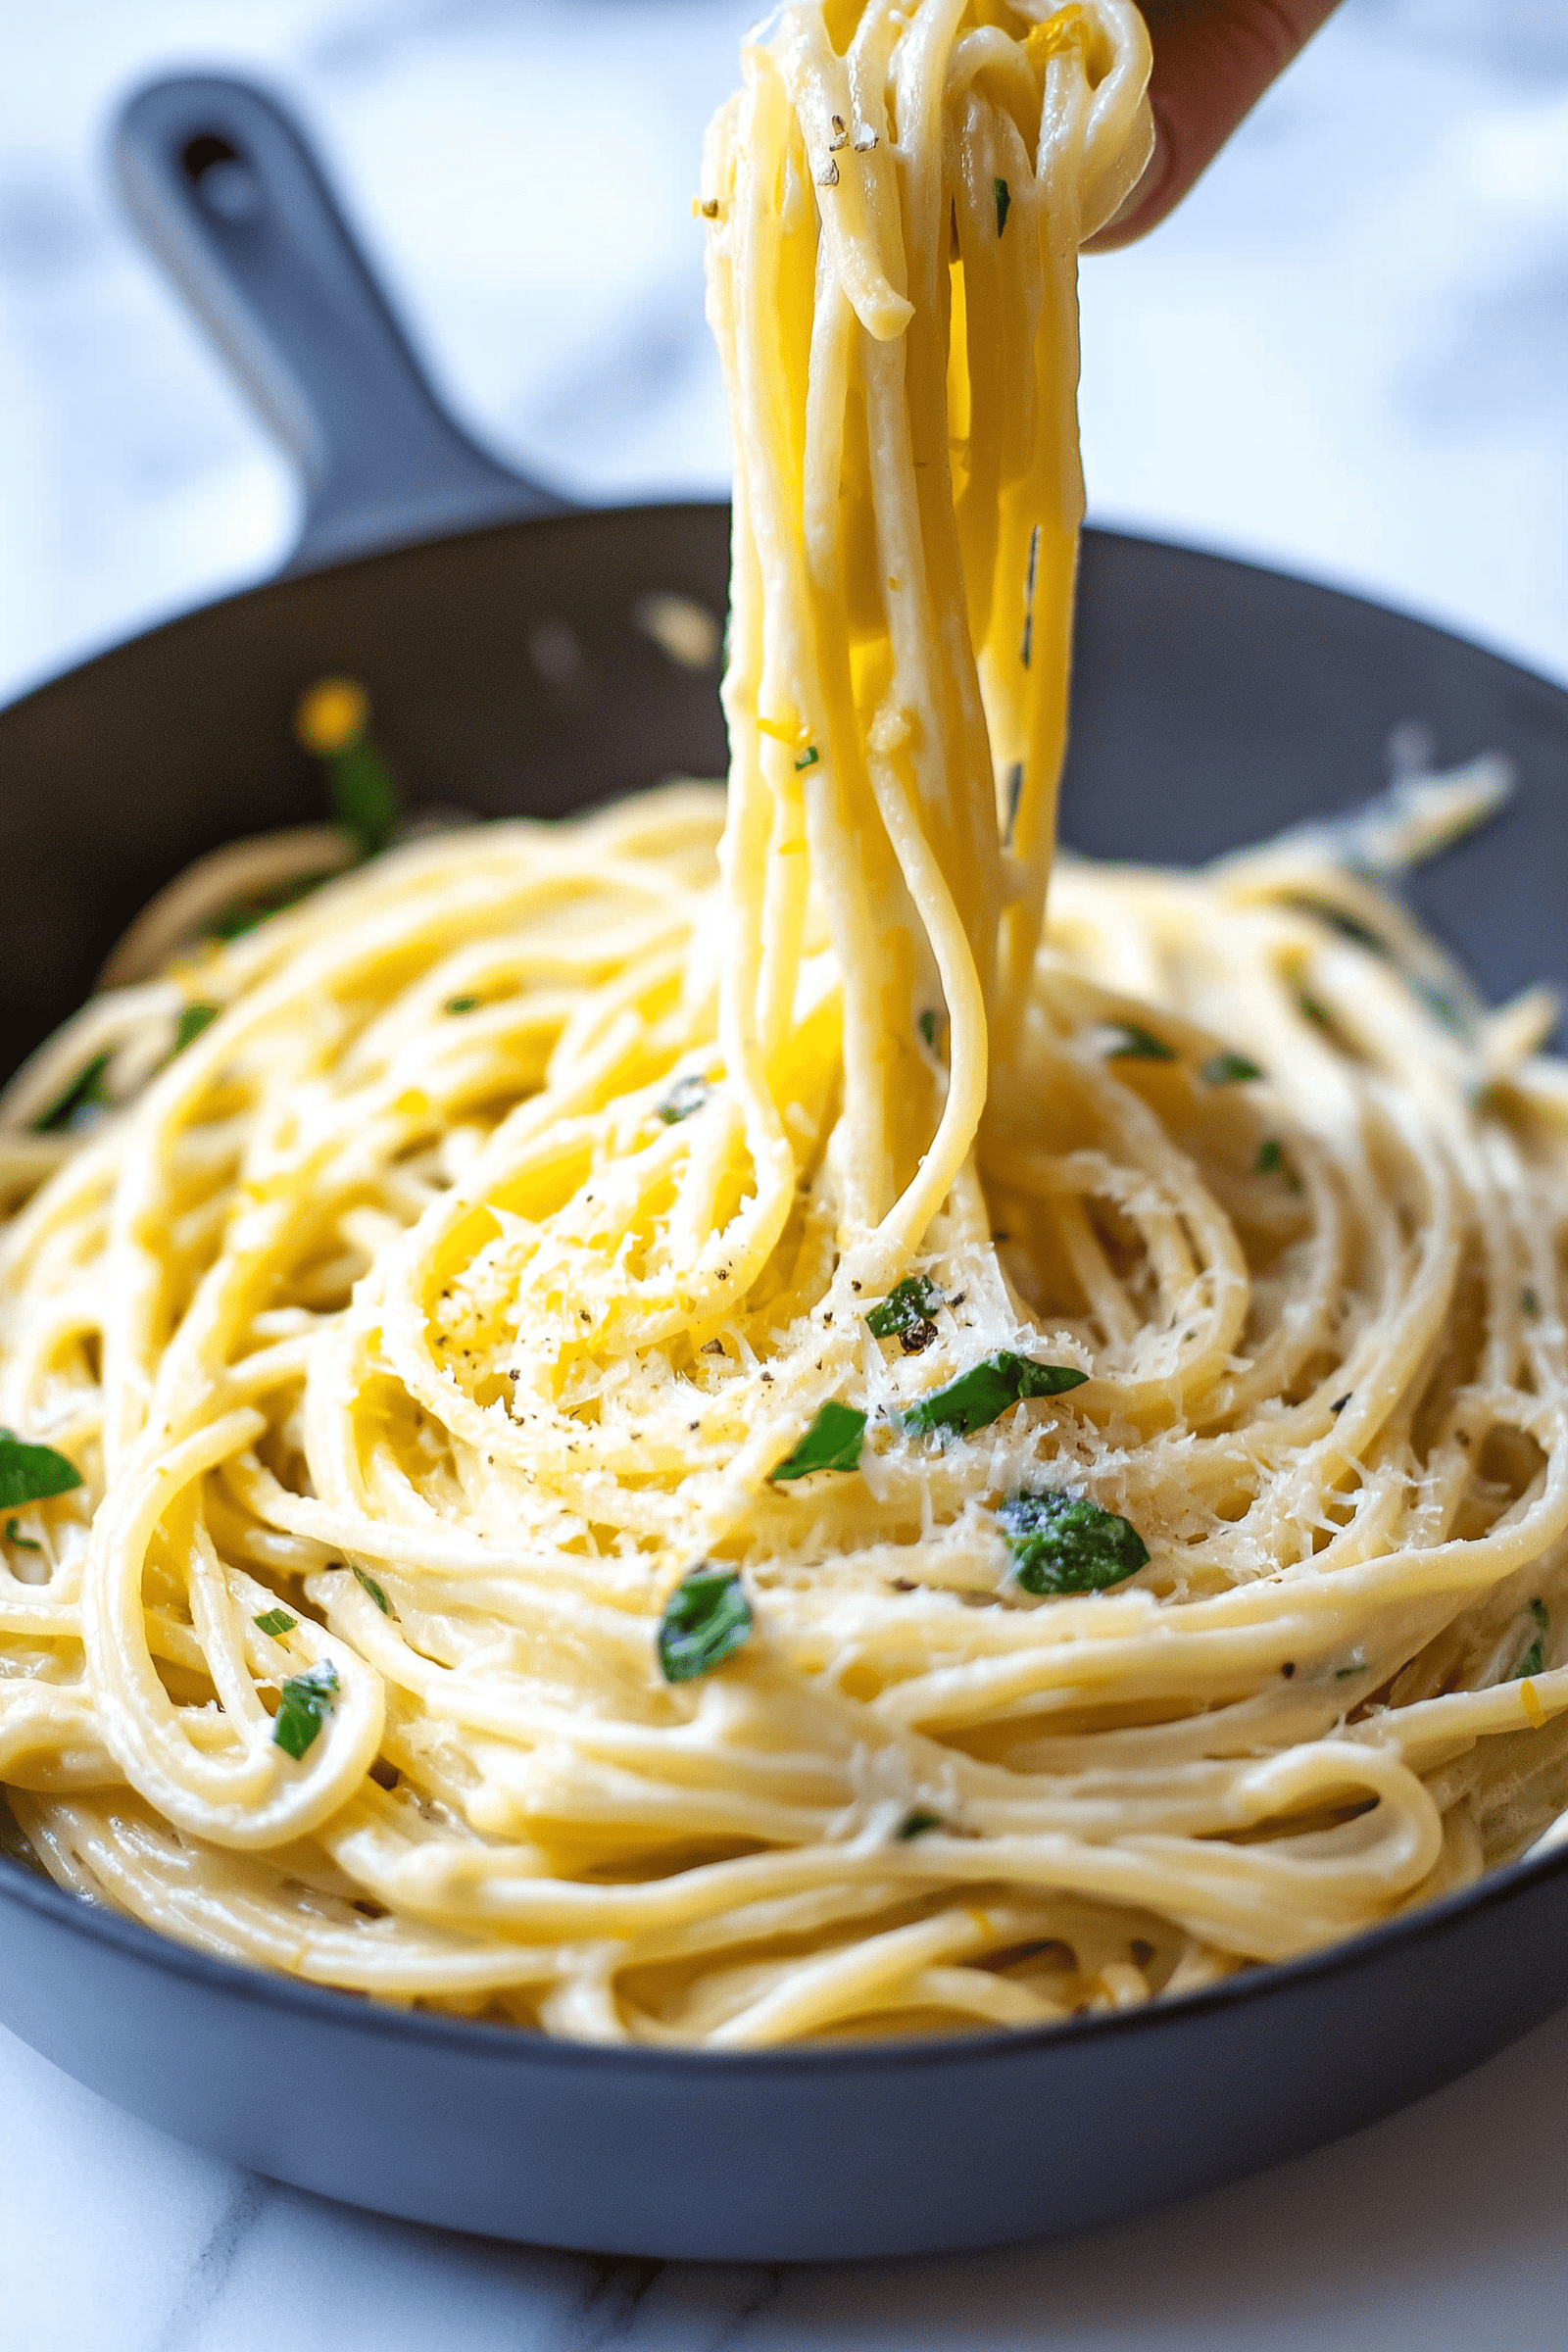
515 662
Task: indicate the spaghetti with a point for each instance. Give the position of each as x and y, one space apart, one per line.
629 1480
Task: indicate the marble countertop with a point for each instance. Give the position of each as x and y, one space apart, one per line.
1347 355
1444 2229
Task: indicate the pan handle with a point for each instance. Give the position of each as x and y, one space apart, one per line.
227 194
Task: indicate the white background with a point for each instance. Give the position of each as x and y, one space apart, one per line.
1348 353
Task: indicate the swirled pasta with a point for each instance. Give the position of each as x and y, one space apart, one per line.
686 1430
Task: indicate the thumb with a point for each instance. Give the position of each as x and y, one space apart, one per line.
1214 60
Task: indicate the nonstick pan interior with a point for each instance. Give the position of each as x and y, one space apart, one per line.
515 669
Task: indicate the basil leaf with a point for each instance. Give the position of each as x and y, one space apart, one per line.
980 1396
1535 1658
1003 196
275 1622
706 1620
376 1595
809 757
29 1473
917 1823
193 1019
927 1026
1229 1069
1532 1662
832 1442
909 1304
364 793
237 920
1066 1544
307 1703
686 1095
83 1096
14 1535
1130 1042
246 915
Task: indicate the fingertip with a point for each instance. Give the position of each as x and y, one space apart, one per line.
1212 62
1146 202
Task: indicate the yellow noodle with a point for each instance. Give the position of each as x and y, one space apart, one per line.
401 1300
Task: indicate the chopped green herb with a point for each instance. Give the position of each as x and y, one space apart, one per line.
31 1473
364 793
1529 1302
1315 1012
82 1099
1130 1042
686 1095
917 1823
1064 1544
989 1389
237 920
14 1535
706 1620
1229 1069
908 1306
462 1004
927 1026
275 1622
807 759
1014 796
1003 196
307 1703
832 1442
1270 1158
246 914
1535 1658
1358 1665
374 1591
193 1019
1532 1662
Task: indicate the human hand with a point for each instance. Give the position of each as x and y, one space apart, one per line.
1214 60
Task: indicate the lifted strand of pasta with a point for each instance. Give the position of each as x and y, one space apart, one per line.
892 266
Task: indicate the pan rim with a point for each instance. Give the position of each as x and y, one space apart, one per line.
654 510
334 2007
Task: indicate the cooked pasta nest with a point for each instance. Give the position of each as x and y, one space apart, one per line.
398 1268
